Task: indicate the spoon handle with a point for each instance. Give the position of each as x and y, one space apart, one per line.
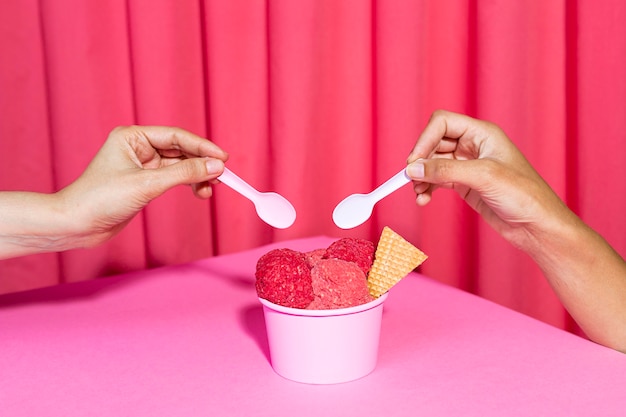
231 179
391 185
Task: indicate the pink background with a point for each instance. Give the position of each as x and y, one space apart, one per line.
316 100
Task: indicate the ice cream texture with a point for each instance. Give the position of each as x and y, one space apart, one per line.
332 277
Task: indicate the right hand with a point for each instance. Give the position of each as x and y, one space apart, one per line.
478 161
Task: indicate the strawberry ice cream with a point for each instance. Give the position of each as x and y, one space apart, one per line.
283 277
338 284
322 279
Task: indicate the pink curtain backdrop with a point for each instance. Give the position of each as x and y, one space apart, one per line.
316 100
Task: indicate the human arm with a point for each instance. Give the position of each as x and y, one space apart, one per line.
135 165
478 161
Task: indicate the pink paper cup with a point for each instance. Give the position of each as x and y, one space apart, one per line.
323 346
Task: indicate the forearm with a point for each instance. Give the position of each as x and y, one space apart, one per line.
33 223
587 274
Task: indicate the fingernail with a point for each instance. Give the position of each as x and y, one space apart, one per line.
415 170
214 166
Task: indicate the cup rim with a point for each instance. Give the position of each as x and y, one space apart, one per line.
324 313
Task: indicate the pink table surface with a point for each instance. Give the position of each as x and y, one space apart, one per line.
189 340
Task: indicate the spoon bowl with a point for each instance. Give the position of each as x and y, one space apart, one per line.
353 211
275 210
272 208
357 208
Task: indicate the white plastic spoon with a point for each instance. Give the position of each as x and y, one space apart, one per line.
357 208
272 208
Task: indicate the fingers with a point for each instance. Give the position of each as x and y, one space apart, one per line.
449 154
171 156
202 190
193 171
446 172
174 141
424 192
477 177
130 170
441 134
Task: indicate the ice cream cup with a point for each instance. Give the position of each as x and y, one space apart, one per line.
324 346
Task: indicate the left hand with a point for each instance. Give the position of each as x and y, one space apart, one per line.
135 165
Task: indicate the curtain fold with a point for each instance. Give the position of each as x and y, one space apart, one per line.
316 100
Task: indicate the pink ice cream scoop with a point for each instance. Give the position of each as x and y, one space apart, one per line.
338 284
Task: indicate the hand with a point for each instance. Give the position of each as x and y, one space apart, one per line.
135 165
478 161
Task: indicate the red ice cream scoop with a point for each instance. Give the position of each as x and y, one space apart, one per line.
283 277
359 251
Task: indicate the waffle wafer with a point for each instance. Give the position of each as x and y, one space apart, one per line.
394 259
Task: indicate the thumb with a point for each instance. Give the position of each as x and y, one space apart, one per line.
184 172
447 172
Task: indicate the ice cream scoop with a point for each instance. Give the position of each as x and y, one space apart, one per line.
357 208
272 208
